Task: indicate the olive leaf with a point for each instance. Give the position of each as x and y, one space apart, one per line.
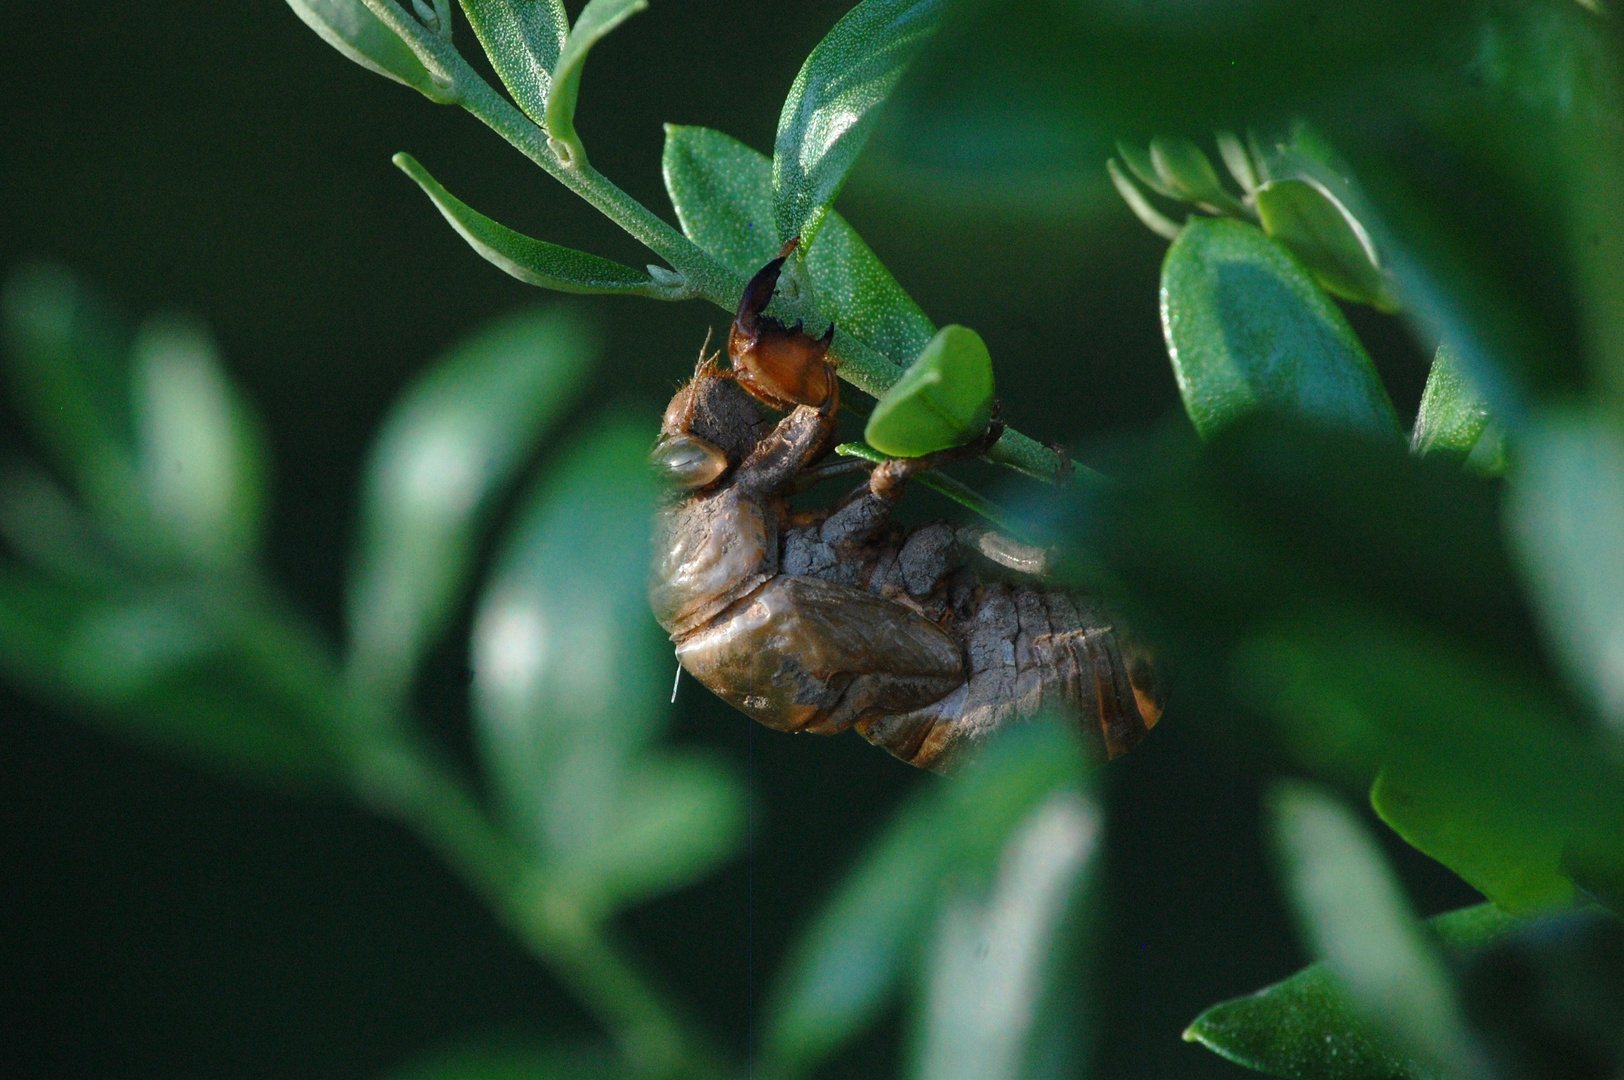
1326 238
447 449
200 455
1565 517
1305 1027
1186 173
595 22
1247 328
944 399
834 103
1352 910
860 944
536 262
523 39
722 193
361 36
569 681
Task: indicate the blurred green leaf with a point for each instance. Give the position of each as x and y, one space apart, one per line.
1352 910
944 399
350 28
1305 1028
513 1062
678 817
1144 169
1187 173
1548 997
1565 516
834 102
1000 977
595 22
1453 417
1326 238
523 39
722 192
48 531
570 680
535 262
136 666
1247 328
447 449
842 968
200 456
71 371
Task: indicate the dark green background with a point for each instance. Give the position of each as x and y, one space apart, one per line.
158 922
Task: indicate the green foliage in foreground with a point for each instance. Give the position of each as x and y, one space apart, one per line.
1436 621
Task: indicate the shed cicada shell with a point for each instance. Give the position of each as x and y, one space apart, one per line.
925 639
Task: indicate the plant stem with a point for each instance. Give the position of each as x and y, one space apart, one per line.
395 774
863 366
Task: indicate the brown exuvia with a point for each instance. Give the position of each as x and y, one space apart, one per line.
823 620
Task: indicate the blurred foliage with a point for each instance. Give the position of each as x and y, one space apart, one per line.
1435 623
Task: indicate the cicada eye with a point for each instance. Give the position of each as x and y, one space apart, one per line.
689 461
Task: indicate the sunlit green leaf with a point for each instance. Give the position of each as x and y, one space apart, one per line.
944 399
535 262
571 675
1566 518
1305 1028
844 966
722 192
523 39
200 453
595 22
1000 981
447 449
1326 238
834 102
1352 910
1247 329
350 28
1454 417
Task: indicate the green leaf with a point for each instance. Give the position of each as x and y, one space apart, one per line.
1187 173
844 966
350 28
1565 516
677 818
150 669
1000 991
571 674
446 451
1305 1028
523 39
70 367
944 399
200 454
835 101
1326 238
1248 329
722 192
595 22
1453 417
1352 910
535 262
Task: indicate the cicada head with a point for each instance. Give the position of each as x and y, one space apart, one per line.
710 426
781 366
